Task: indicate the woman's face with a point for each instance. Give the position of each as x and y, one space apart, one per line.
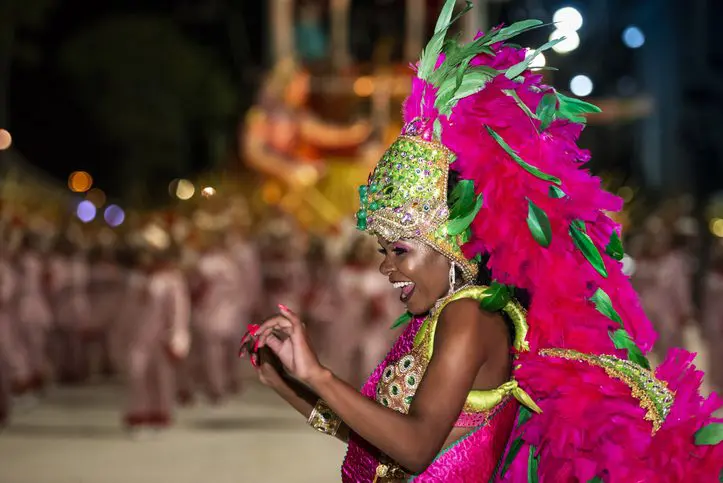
420 272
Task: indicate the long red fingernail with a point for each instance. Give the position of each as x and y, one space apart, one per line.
253 328
254 360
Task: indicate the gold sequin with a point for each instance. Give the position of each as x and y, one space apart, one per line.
652 393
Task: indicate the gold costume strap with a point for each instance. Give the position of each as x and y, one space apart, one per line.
323 419
477 292
486 400
652 393
483 400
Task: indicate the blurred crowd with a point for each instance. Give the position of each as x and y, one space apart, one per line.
164 312
166 318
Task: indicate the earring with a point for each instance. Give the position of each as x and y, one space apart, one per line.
452 277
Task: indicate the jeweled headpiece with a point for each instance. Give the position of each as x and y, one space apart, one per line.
406 197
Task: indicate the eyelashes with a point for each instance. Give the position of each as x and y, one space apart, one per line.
395 250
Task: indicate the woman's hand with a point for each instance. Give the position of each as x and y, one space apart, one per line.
287 337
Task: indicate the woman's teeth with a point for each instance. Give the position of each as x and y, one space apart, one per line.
401 284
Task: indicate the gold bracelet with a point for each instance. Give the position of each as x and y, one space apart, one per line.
323 419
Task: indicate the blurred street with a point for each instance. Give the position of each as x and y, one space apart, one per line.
75 436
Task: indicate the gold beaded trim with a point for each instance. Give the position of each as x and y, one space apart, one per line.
323 419
653 394
392 471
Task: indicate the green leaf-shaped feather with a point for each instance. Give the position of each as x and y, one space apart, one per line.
546 110
462 198
556 192
622 340
515 448
497 297
527 167
513 94
615 247
429 57
533 463
457 226
513 30
539 224
574 109
709 435
523 416
403 319
604 305
521 67
585 244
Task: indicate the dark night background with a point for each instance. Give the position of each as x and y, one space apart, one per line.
680 67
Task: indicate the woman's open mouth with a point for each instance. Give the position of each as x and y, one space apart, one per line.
407 290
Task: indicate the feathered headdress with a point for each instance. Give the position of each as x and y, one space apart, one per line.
528 204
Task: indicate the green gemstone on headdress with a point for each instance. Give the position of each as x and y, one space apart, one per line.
374 206
374 188
363 190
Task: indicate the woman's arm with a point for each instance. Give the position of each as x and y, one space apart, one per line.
462 342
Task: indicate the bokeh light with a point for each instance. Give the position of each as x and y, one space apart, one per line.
97 197
86 211
364 86
539 60
567 19
6 140
184 189
570 42
716 227
633 37
80 181
581 85
208 191
114 215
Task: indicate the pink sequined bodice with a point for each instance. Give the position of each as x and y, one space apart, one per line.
471 459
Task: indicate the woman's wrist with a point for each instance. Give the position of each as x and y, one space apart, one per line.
319 378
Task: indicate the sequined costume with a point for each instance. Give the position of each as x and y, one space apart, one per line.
586 405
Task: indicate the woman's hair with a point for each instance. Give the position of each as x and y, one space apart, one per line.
484 276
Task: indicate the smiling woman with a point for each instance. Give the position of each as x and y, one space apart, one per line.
480 201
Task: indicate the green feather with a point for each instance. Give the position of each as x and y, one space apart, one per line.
527 167
615 247
546 110
515 448
462 198
533 463
574 109
597 479
429 57
523 416
622 340
513 30
604 305
513 94
585 244
539 224
556 192
457 226
403 319
473 80
709 435
497 297
521 67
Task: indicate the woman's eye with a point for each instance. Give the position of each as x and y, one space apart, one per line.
382 251
399 251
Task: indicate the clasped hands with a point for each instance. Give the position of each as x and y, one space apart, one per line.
285 335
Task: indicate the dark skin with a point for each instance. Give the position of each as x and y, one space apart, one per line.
471 351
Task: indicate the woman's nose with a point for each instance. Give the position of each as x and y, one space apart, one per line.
387 267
